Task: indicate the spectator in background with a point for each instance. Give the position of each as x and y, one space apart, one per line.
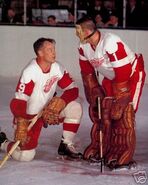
110 6
22 19
38 21
11 17
51 20
133 14
70 20
113 21
99 6
71 17
144 13
98 20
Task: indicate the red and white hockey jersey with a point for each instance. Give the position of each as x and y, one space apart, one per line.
36 88
112 58
116 62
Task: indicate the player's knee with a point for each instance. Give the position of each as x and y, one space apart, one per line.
24 155
74 111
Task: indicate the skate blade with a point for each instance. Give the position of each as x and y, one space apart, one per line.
125 168
62 157
65 157
95 163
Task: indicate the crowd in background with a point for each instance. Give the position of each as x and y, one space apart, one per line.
106 13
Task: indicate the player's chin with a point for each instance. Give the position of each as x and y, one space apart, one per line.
52 61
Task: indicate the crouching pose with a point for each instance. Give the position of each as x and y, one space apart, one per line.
123 75
35 93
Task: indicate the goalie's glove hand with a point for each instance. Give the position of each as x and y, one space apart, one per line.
51 113
21 130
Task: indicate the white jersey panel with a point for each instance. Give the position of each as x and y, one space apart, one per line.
98 57
44 84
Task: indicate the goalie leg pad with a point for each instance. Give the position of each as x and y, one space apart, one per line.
123 139
93 150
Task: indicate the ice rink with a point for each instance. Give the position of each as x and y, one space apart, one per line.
46 169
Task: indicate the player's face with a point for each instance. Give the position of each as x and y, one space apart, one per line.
81 34
48 52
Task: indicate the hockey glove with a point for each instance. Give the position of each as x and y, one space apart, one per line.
21 130
51 112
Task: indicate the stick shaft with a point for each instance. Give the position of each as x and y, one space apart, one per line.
100 133
6 157
16 144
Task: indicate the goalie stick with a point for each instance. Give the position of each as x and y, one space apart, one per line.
100 135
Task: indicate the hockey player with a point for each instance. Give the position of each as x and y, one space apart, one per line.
120 90
35 92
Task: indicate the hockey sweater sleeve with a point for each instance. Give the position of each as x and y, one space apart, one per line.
67 84
19 103
120 62
85 65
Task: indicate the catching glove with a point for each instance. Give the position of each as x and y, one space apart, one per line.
51 113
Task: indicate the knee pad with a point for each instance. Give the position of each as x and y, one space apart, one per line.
73 112
23 155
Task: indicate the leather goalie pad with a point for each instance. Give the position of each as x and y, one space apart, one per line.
92 89
93 149
123 139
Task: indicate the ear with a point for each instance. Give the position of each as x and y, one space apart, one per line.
40 53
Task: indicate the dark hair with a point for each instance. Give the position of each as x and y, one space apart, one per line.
39 43
52 17
87 22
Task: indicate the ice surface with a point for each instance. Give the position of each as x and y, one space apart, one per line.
47 169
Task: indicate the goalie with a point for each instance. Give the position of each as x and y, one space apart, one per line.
35 93
120 90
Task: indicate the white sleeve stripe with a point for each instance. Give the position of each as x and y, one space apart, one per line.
73 121
82 58
72 85
134 66
120 63
21 96
137 92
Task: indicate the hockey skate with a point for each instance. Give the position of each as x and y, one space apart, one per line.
68 151
2 137
131 165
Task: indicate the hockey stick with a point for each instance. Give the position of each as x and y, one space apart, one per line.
100 134
6 157
13 148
